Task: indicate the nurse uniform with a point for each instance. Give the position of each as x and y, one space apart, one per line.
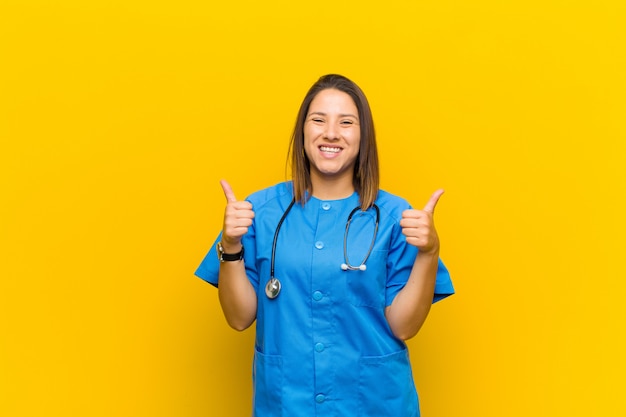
323 346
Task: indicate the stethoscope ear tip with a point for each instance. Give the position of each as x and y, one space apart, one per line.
344 267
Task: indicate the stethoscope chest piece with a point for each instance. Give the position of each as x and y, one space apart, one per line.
272 288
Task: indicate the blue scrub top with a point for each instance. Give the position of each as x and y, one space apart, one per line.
323 346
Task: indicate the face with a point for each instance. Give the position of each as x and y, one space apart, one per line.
332 135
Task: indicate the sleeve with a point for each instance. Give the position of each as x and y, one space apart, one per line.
209 268
400 263
443 285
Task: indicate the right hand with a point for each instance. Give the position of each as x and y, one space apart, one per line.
237 218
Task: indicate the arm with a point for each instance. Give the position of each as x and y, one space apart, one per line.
408 311
236 294
411 306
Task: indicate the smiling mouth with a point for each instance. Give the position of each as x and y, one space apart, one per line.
330 149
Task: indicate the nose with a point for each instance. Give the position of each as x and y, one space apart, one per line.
331 132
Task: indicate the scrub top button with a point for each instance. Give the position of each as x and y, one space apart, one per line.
326 206
319 347
319 244
320 398
317 295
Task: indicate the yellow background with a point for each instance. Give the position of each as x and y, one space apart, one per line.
118 118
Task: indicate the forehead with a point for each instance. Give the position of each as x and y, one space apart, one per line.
332 100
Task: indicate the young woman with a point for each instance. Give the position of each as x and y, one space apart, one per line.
336 273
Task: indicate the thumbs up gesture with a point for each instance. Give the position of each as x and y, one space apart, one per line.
419 228
238 217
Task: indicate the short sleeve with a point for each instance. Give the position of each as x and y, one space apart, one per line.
399 265
209 268
443 285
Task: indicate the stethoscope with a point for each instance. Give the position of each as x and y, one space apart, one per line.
273 286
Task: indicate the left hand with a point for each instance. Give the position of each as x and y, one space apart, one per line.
419 227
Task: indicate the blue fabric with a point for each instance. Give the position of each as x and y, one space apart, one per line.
324 347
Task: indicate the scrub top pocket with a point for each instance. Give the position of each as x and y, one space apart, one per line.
386 387
268 385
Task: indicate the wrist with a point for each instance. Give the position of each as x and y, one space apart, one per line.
432 252
230 247
225 256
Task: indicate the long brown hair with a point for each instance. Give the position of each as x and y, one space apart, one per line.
366 172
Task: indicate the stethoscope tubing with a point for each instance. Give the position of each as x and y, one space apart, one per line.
347 266
280 223
273 286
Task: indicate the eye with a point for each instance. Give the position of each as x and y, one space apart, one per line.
318 120
347 122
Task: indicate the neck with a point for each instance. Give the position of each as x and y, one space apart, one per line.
332 188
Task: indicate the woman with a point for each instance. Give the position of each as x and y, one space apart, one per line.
336 273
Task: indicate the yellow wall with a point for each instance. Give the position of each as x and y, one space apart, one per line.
118 118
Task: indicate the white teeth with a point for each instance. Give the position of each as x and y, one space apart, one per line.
329 149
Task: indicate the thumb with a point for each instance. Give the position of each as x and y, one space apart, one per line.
430 206
228 192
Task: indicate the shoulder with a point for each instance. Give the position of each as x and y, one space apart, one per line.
391 204
276 194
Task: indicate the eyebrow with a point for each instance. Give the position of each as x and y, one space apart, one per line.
324 114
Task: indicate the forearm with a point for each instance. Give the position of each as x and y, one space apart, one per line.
411 306
237 295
